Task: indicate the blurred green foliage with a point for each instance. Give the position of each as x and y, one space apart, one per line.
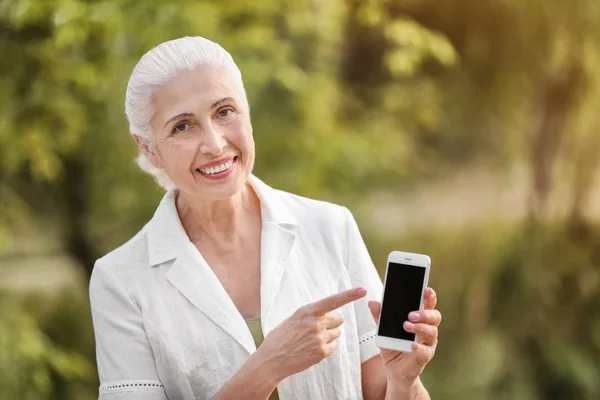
36 362
348 99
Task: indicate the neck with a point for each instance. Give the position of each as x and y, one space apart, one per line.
222 221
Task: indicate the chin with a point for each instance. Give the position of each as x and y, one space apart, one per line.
225 191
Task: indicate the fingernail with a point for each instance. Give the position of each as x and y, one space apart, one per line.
361 291
409 326
413 316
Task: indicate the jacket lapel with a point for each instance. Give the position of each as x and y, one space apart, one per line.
195 280
190 274
276 244
279 231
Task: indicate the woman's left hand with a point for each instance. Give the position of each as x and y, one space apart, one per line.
402 368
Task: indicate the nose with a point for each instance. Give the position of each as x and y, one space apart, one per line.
213 142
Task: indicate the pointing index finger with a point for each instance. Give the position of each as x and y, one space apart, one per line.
336 301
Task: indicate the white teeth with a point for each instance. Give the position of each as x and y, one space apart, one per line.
217 169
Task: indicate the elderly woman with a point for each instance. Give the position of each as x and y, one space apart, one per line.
236 290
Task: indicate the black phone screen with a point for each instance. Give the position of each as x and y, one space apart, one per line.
403 288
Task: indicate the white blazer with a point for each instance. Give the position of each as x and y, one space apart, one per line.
166 329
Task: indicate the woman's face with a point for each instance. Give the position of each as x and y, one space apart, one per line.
202 134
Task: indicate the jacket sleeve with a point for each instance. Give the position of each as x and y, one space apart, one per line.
126 365
362 273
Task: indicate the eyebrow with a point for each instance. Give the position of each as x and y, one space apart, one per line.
190 115
178 116
223 100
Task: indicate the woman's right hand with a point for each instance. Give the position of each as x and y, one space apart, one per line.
308 336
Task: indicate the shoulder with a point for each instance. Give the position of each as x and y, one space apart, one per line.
320 213
122 262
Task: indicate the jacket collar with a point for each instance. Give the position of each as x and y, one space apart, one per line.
167 238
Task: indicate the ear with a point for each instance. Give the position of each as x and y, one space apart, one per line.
150 151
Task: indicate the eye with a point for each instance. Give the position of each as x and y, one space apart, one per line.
181 127
225 112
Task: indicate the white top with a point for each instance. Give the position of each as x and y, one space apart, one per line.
166 329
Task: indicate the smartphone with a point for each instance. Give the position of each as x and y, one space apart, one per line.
405 282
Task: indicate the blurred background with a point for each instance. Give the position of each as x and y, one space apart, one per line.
464 129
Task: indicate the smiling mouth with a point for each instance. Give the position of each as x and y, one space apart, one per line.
218 169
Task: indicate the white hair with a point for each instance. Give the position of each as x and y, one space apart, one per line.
158 66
